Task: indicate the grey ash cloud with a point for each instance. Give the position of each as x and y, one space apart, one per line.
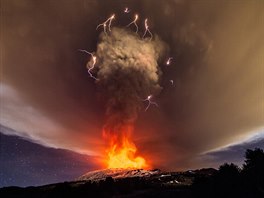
127 71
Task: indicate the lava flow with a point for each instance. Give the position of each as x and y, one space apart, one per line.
121 153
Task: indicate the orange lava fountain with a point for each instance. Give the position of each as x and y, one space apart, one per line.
121 153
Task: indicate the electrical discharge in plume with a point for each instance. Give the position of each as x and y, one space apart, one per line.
126 10
150 102
104 24
134 22
90 68
147 30
168 62
127 69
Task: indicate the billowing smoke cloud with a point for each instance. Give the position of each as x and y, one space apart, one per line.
128 72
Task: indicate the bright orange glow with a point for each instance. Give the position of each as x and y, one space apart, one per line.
122 154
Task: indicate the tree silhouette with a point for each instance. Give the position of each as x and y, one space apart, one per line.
227 180
228 170
254 160
253 169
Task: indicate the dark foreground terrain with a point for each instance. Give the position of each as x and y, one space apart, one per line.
228 181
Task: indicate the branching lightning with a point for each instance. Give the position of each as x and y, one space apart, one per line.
134 22
147 30
104 24
93 64
150 102
110 22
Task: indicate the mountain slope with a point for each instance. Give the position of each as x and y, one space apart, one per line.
117 173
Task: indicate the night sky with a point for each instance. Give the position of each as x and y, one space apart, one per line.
28 164
52 112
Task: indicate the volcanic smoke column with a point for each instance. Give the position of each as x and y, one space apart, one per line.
127 71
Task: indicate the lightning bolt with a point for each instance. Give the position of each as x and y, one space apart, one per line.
134 22
168 62
147 30
148 99
126 10
104 24
93 64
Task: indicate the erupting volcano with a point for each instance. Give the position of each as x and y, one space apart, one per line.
122 153
124 157
126 68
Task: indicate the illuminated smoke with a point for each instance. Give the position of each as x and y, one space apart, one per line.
128 71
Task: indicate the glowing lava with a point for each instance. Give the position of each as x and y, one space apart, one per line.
122 154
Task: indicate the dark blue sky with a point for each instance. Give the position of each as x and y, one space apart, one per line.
23 163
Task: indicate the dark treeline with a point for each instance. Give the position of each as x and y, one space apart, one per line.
232 181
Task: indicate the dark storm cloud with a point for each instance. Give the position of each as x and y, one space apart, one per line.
217 68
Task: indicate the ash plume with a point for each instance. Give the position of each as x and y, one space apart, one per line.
128 71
